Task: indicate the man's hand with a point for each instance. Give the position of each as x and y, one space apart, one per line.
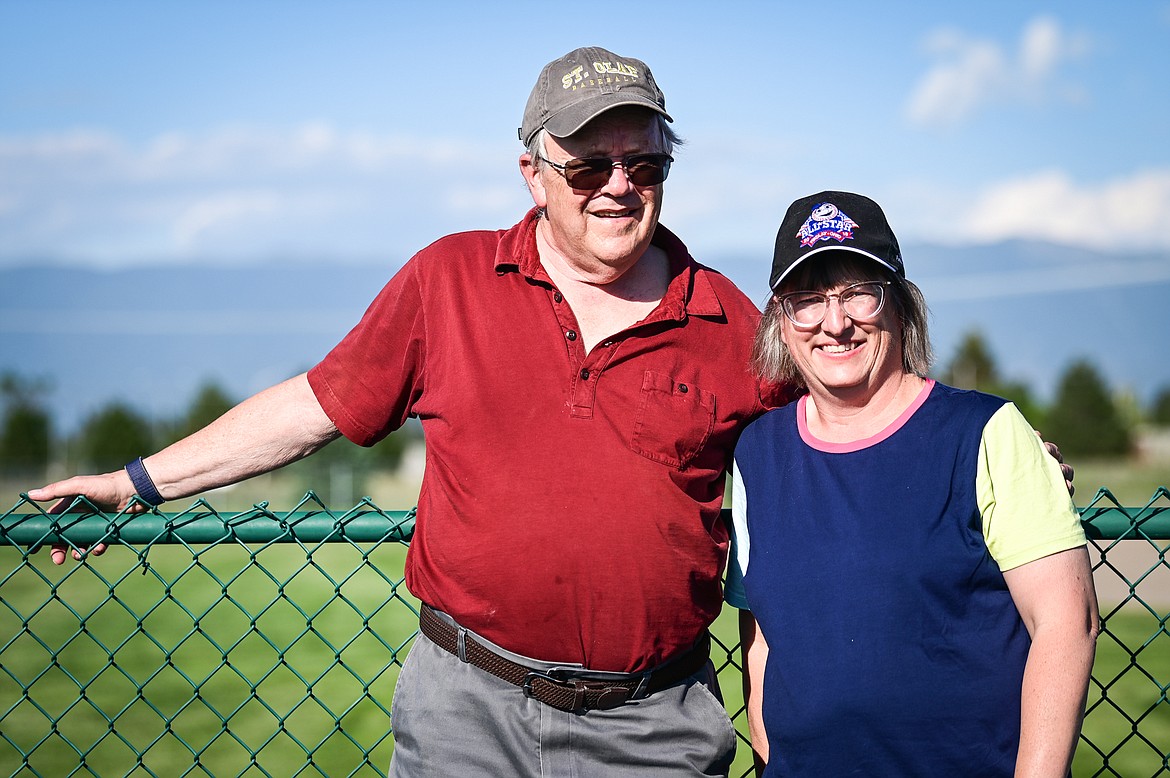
110 492
1065 469
268 430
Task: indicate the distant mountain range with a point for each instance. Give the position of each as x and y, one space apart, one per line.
152 335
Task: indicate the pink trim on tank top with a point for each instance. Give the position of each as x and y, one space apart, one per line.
857 445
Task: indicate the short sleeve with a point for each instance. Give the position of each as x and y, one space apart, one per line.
367 383
1026 508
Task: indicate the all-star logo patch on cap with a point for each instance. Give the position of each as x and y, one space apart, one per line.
834 221
586 82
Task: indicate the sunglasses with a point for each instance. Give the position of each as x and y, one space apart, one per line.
594 172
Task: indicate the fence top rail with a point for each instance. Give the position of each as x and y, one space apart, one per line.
1105 519
311 521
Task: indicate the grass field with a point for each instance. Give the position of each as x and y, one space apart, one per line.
280 664
283 659
1132 482
234 677
1128 721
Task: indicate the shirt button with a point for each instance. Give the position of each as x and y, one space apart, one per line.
571 335
584 375
682 388
557 297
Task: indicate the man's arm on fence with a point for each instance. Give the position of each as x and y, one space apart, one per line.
755 657
279 425
1057 602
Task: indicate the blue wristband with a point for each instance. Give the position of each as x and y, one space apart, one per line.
142 483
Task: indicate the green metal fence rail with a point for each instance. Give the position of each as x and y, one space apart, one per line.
268 642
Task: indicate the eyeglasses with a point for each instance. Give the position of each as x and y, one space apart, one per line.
594 172
858 301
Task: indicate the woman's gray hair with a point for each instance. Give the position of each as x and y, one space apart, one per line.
670 139
771 359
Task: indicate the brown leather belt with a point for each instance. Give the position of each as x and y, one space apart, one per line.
567 693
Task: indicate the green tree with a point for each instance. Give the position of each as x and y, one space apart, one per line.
210 402
25 427
339 473
1083 419
1160 408
113 436
974 367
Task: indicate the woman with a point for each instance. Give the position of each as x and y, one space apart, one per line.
921 597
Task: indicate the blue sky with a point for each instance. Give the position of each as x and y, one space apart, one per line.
143 132
135 134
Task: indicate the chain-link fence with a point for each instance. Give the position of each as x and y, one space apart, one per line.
268 643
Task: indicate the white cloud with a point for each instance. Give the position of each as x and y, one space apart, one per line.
970 74
1128 213
222 209
244 191
74 144
954 89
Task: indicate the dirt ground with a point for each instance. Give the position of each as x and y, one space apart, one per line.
1135 561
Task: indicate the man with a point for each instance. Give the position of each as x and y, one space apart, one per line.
580 380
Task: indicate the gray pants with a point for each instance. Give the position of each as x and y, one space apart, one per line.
453 719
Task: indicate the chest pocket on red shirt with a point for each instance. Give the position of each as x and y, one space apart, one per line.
674 420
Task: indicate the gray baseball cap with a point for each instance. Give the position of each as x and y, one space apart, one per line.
576 88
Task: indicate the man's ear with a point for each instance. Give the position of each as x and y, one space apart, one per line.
533 179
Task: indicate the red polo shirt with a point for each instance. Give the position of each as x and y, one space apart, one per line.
570 505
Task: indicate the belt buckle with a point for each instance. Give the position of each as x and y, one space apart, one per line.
537 674
551 676
643 687
607 696
554 675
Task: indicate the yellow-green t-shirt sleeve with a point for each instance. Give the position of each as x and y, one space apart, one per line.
1026 508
